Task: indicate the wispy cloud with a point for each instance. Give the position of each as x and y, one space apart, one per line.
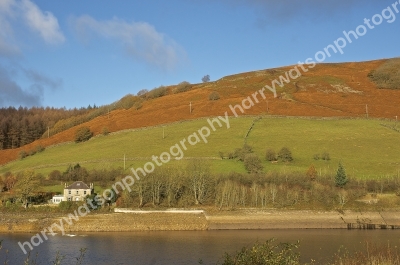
12 94
16 13
273 11
140 40
44 23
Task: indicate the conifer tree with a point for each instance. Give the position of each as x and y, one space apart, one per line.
341 177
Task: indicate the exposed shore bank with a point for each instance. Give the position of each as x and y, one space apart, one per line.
198 220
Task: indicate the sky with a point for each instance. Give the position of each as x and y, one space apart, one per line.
79 53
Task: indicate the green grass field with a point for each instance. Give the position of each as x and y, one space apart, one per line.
366 148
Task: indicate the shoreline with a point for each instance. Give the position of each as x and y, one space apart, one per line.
186 220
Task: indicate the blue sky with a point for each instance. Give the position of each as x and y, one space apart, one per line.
75 53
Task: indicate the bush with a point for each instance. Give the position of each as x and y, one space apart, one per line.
156 92
183 87
387 75
214 96
270 155
39 149
240 153
105 131
66 205
252 163
326 156
142 92
316 157
285 155
265 254
312 173
22 154
83 134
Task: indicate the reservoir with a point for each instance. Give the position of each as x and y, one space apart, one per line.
188 247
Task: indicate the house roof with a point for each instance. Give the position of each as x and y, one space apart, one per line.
78 185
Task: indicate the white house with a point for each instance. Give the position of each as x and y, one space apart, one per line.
57 199
77 191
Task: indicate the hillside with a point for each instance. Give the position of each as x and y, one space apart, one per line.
368 149
328 90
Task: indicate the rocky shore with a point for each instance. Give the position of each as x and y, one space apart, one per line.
197 220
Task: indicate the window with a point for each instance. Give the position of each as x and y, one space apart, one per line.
84 192
69 191
77 192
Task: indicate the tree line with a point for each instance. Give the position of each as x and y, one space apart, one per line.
22 126
194 184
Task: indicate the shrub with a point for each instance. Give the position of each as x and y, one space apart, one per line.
240 153
312 173
387 75
156 92
326 156
105 131
55 175
23 154
83 134
39 149
127 101
142 92
270 155
183 87
66 205
214 96
266 253
32 152
252 163
285 155
316 157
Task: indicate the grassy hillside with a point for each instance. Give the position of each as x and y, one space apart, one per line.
366 148
328 90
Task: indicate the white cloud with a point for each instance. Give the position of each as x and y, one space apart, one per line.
13 12
140 40
44 23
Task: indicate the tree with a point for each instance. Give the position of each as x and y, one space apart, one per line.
270 155
142 92
83 134
206 78
214 96
285 155
183 87
312 173
2 185
252 163
341 177
9 181
26 186
200 184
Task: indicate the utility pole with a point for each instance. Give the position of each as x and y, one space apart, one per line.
366 110
190 106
